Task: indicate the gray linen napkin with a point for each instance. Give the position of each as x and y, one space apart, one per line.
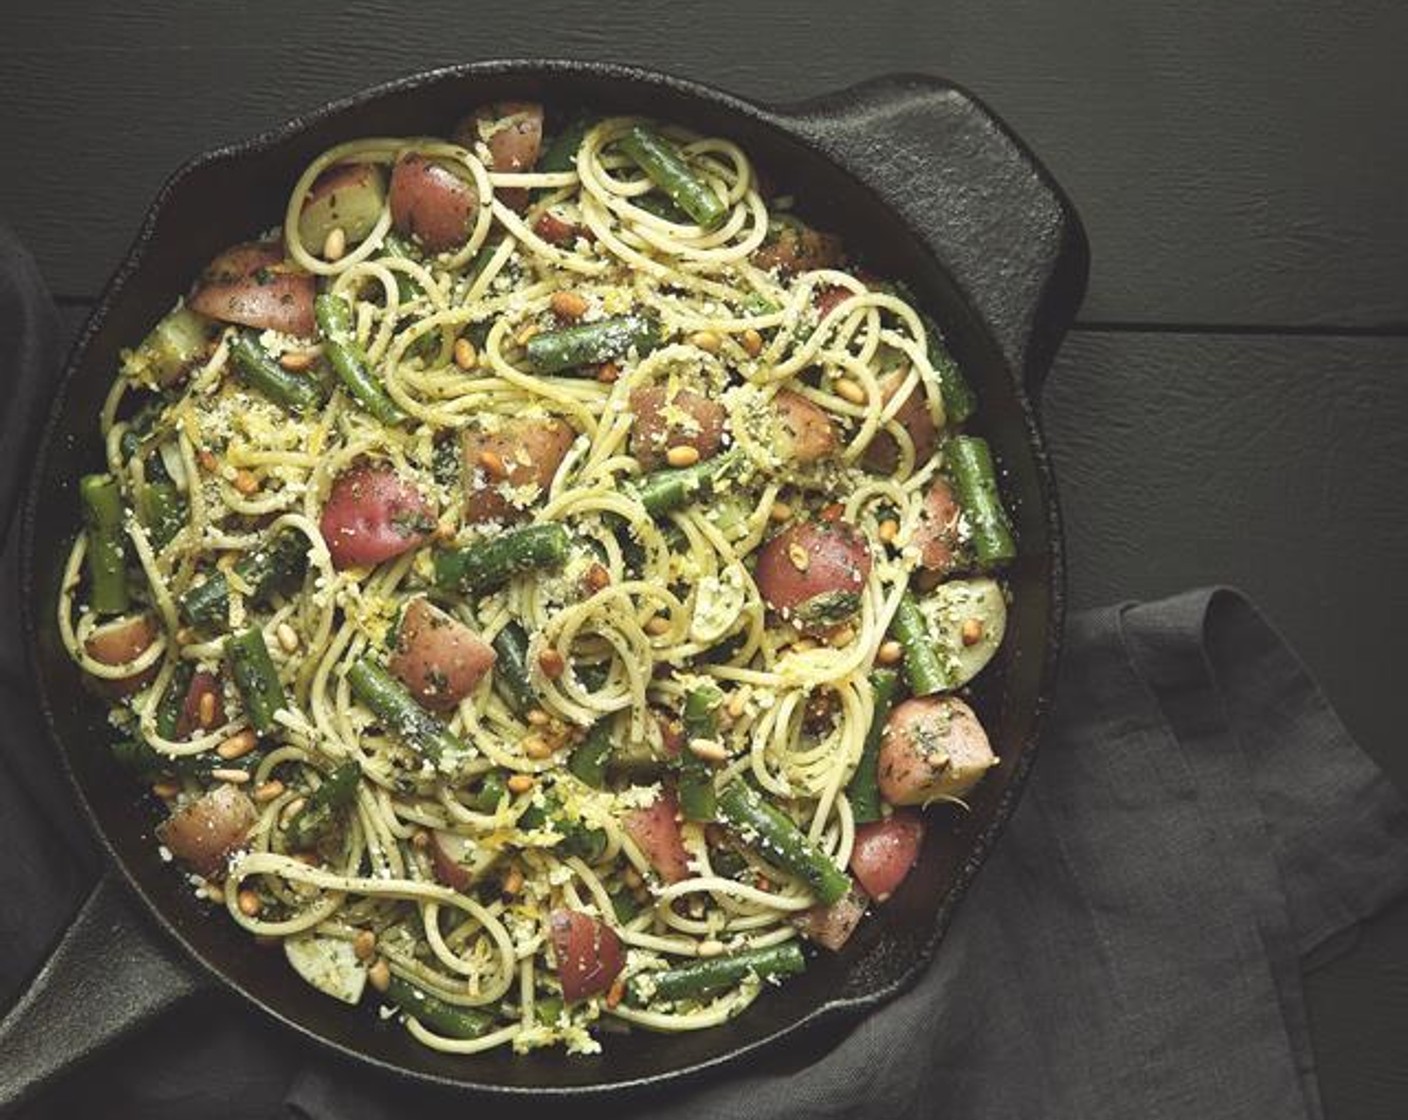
1198 822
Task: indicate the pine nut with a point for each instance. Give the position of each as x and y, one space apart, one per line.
536 747
205 710
632 878
617 992
214 890
246 482
608 373
752 342
889 653
237 745
521 783
597 577
711 948
780 511
551 663
971 631
682 456
849 390
710 750
364 945
379 975
569 305
493 464
335 247
249 903
527 333
234 777
287 636
798 556
538 718
420 839
889 529
268 791
296 361
738 704
291 810
513 881
166 790
842 636
657 625
207 461
707 341
465 354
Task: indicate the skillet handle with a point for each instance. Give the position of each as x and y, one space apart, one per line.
109 974
991 213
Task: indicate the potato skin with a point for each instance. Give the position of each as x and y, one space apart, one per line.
795 247
514 136
432 203
885 850
812 573
207 830
936 535
372 515
831 926
934 747
253 285
530 451
589 954
656 430
656 832
438 658
806 433
117 642
883 454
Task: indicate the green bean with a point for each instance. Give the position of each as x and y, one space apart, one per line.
667 169
321 807
256 368
773 835
276 560
399 712
173 346
698 800
923 667
437 1015
969 462
350 363
173 700
256 678
162 511
489 564
863 790
489 795
548 1010
708 975
561 152
588 761
107 554
957 394
590 343
665 491
661 207
623 905
511 668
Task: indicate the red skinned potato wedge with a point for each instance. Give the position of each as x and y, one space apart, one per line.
202 684
347 196
459 863
372 515
253 285
885 850
805 433
666 419
513 131
116 643
812 573
522 452
432 202
794 247
438 658
914 416
207 830
589 954
934 748
936 535
656 831
831 926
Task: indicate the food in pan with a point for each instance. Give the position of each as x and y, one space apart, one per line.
540 581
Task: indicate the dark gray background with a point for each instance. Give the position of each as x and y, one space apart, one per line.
1232 405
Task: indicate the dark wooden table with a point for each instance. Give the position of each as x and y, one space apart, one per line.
1232 406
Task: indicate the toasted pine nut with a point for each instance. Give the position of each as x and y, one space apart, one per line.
842 636
364 945
246 482
527 333
849 390
296 361
205 709
287 636
465 354
706 340
972 631
657 625
738 704
214 890
608 373
234 777
617 992
207 461
780 511
249 903
569 305
538 718
521 783
889 653
513 881
237 745
185 636
551 663
711 948
798 556
710 750
682 455
420 839
291 810
597 577
493 464
379 975
889 529
335 247
536 747
166 790
752 342
268 791
632 878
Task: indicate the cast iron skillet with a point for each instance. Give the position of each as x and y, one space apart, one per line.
918 177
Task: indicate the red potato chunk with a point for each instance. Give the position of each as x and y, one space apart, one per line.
885 850
432 202
202 684
805 432
666 419
589 954
437 657
372 515
207 830
830 297
914 416
555 230
794 247
116 643
812 573
253 285
513 131
936 535
347 196
831 926
522 452
459 861
934 748
656 831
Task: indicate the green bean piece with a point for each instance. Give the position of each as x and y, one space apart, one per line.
665 491
923 667
175 344
350 363
661 207
256 368
511 668
484 566
863 790
698 800
624 905
667 169
770 832
588 344
268 567
107 553
173 700
561 152
706 976
162 511
959 400
399 712
437 1015
548 1009
588 761
490 794
968 460
256 678
321 807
